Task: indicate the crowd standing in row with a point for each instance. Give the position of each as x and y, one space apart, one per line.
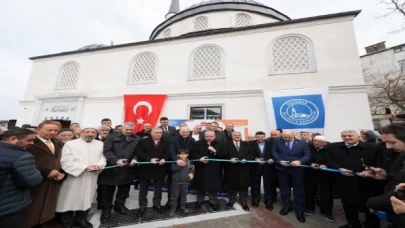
46 170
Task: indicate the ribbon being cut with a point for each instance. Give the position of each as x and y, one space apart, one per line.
260 161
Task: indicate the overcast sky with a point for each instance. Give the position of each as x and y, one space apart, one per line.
37 27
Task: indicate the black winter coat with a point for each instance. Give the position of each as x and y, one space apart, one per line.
237 176
17 175
353 188
117 147
146 151
207 176
177 142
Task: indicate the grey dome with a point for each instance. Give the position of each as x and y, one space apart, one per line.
92 46
220 5
224 1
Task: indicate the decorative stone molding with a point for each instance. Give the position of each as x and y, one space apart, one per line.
59 95
223 94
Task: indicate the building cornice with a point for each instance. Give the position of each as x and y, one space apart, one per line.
64 95
205 95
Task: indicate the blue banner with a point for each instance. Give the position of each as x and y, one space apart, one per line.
299 112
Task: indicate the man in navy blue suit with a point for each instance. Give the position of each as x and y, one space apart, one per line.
289 153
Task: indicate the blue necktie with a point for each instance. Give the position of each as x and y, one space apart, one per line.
287 147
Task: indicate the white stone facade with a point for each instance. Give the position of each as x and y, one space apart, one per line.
230 72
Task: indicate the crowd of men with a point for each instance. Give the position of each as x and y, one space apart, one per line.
47 171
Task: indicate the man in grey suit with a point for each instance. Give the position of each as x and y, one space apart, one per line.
168 131
289 153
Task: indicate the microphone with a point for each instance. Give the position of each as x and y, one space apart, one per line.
209 144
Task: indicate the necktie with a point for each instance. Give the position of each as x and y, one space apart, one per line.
287 146
237 146
49 144
166 130
349 146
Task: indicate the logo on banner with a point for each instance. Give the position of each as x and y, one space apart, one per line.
295 112
299 111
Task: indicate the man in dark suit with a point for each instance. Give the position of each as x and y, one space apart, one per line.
237 173
181 141
262 150
353 190
168 131
290 153
155 150
228 131
219 135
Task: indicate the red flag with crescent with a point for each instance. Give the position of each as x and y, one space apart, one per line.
141 109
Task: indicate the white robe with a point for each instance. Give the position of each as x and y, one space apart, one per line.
79 188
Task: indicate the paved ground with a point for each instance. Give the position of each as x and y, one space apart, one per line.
262 218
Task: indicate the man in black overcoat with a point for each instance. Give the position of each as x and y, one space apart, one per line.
207 173
119 149
155 150
354 190
237 174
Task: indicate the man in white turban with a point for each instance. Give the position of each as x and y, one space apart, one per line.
82 160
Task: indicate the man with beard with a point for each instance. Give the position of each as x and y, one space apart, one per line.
208 174
82 160
65 135
119 149
17 175
181 141
103 132
265 169
350 156
47 153
394 137
156 150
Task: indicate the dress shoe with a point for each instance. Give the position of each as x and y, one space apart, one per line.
229 205
105 216
330 218
172 213
300 217
308 212
198 205
269 206
214 206
141 212
84 224
167 206
255 202
121 209
285 210
184 211
245 207
158 209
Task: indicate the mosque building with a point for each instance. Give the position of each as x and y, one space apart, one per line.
213 60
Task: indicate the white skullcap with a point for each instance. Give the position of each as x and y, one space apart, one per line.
321 137
87 126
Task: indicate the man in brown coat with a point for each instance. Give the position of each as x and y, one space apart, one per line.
47 153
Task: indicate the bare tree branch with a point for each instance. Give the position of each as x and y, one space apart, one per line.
394 7
388 90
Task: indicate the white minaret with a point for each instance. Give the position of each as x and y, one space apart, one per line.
174 9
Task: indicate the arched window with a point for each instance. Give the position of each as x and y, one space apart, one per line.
143 69
167 33
200 23
68 76
292 54
242 20
207 62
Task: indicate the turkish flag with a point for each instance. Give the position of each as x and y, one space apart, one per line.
141 109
